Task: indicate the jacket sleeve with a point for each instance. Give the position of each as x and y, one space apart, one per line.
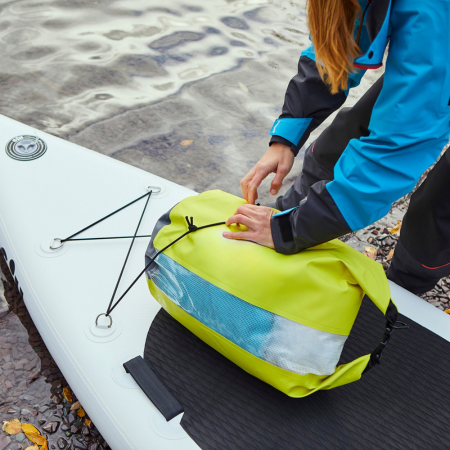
409 127
307 103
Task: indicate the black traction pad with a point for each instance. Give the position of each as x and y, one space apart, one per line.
404 403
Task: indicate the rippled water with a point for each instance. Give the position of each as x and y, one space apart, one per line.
134 79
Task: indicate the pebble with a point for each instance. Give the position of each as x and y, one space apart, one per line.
51 427
57 385
77 444
20 437
62 443
4 440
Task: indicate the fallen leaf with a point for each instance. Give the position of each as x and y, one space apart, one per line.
81 412
28 428
371 252
390 255
67 395
187 142
397 228
243 86
447 311
33 434
45 446
75 406
32 447
88 423
12 427
36 438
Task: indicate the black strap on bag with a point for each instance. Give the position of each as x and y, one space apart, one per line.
391 324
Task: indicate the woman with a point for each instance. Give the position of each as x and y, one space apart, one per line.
373 153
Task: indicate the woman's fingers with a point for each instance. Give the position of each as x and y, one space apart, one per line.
239 235
241 219
252 193
257 220
279 159
251 182
275 186
245 181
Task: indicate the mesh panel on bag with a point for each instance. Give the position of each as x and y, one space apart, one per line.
273 338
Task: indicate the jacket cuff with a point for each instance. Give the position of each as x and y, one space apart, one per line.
282 232
284 141
291 129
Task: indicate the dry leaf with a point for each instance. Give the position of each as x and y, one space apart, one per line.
397 228
187 142
88 423
67 395
75 406
81 412
36 438
12 427
33 447
371 252
33 434
45 446
28 428
243 86
390 255
447 311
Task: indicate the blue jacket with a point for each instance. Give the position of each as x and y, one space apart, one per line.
409 125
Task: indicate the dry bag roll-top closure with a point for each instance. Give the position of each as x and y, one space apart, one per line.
282 318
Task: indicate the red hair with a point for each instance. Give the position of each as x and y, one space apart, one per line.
331 24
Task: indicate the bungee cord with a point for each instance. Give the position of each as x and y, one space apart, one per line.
128 254
191 229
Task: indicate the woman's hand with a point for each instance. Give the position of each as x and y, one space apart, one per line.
257 220
278 159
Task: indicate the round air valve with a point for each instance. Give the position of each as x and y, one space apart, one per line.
26 148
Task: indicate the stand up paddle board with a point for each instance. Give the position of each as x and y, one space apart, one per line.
51 189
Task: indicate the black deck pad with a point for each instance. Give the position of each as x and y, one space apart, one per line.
404 403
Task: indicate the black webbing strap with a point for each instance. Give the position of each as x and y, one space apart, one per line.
158 394
391 325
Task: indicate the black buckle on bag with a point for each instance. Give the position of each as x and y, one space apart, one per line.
376 355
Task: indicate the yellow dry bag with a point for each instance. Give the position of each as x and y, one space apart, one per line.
282 318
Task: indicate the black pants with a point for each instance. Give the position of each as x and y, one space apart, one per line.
422 254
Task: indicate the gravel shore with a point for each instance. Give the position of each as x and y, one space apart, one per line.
31 384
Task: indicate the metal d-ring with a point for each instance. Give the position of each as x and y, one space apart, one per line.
103 314
154 189
61 243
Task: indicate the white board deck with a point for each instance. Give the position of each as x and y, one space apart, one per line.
54 196
57 194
